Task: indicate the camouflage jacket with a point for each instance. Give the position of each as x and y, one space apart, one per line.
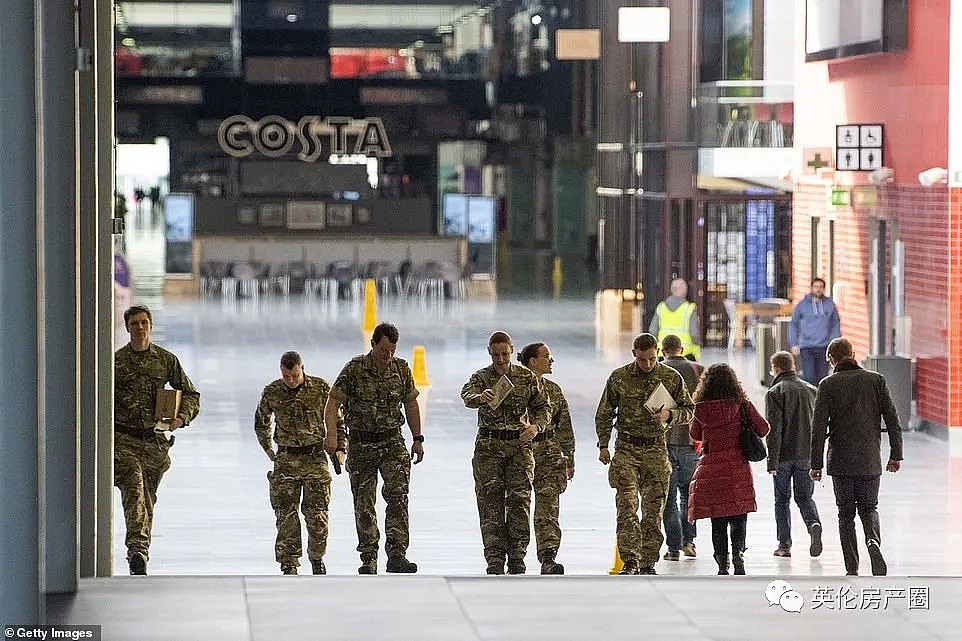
564 434
528 396
622 403
298 414
372 400
137 378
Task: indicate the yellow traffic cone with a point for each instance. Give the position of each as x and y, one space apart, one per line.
370 306
419 369
618 564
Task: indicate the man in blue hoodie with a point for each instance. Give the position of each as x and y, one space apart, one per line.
815 322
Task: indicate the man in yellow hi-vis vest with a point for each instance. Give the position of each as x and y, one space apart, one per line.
677 315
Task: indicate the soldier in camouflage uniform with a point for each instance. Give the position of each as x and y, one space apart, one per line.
372 389
640 465
503 463
554 460
300 476
141 454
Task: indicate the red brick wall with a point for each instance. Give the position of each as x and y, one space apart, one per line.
923 216
953 293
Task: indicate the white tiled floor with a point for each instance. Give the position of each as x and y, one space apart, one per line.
213 516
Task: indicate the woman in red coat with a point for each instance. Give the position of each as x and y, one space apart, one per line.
722 488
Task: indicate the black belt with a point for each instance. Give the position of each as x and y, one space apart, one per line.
543 436
501 435
641 441
133 431
362 436
301 449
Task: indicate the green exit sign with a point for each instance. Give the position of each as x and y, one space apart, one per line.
841 197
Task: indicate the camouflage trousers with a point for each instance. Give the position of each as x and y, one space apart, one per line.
639 472
503 472
392 461
300 479
550 481
139 464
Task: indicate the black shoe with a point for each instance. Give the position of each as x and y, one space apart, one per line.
815 531
722 561
648 569
672 555
630 568
516 567
368 567
288 568
851 573
879 568
138 564
400 565
318 567
738 564
785 553
552 567
495 567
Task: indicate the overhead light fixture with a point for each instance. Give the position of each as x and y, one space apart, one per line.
292 17
128 42
536 19
445 28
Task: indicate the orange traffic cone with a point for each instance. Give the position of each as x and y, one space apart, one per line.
618 563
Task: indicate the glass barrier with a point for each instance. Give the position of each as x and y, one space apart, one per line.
746 113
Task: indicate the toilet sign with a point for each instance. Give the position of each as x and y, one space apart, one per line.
858 147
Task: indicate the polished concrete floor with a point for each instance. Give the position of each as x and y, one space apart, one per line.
212 553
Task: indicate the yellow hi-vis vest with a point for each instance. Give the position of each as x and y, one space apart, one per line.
677 322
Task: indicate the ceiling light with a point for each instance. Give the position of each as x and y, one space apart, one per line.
536 19
292 17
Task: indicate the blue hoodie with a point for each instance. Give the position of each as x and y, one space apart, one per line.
815 322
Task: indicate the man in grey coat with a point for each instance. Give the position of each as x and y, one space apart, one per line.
789 403
849 409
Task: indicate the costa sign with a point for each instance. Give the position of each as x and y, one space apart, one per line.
275 137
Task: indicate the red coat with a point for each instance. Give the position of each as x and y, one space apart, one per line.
722 484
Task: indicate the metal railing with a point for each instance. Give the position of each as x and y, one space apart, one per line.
746 113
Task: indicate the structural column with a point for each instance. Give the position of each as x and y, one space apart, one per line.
20 498
954 293
56 127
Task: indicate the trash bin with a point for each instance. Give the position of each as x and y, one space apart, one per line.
897 371
764 348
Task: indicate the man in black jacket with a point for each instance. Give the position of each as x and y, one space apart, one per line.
849 409
789 403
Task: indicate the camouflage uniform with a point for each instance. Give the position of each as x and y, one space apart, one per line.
639 466
300 464
141 456
553 452
372 412
503 465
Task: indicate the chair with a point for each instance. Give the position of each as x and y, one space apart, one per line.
248 276
430 282
344 274
317 283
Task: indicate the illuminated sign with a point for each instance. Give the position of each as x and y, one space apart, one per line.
275 136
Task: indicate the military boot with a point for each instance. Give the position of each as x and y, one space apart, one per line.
495 567
138 564
318 567
631 568
288 568
516 566
400 565
722 561
368 565
548 563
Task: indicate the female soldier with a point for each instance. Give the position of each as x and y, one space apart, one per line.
554 460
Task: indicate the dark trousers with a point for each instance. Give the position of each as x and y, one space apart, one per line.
856 494
814 365
790 474
678 530
719 533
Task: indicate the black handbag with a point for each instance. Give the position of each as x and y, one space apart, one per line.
753 447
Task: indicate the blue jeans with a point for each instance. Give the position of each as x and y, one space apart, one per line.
814 365
678 531
789 474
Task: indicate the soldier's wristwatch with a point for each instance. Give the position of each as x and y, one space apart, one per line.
419 438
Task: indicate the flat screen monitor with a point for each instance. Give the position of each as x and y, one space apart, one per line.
845 28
